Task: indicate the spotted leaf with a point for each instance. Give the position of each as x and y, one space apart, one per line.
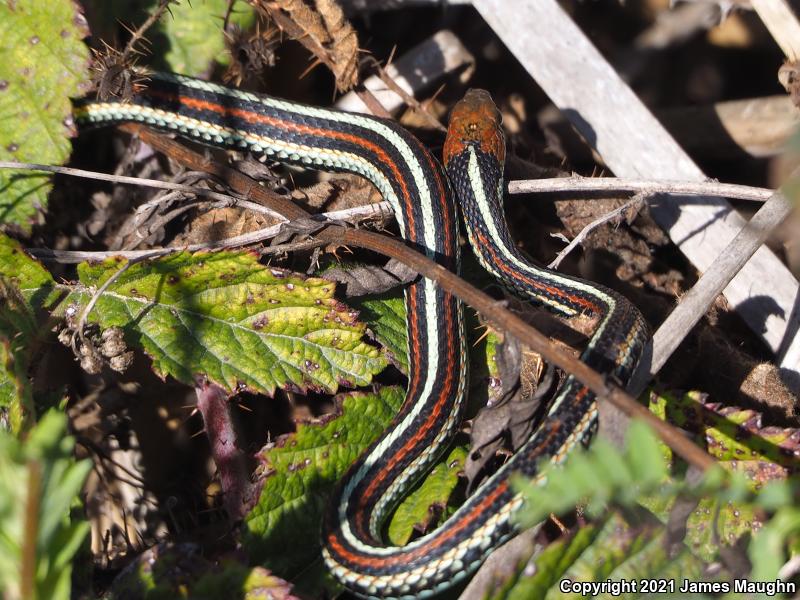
229 318
298 474
430 499
43 61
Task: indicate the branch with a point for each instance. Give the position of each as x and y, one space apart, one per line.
356 214
152 183
644 186
138 35
637 201
232 462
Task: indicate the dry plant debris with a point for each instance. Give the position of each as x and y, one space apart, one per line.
323 30
216 397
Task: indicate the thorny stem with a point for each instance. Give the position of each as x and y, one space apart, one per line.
232 463
138 34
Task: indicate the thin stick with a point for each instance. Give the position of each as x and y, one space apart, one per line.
646 186
79 330
778 16
351 215
417 70
138 35
637 200
152 183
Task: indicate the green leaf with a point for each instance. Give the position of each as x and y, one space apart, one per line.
232 319
601 474
18 329
646 461
386 317
716 522
775 495
736 438
39 481
766 550
300 471
417 509
169 572
250 583
195 35
43 62
551 565
24 272
613 549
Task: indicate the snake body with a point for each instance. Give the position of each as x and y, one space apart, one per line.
416 187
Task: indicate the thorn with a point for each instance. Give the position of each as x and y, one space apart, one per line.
558 523
482 336
310 68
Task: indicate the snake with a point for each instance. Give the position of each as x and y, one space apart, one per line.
423 195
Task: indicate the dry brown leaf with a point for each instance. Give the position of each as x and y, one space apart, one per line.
323 30
345 191
222 223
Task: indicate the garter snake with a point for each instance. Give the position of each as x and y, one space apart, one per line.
417 188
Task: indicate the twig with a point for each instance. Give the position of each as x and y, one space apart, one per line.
408 99
645 186
637 200
352 7
79 329
739 4
695 303
355 214
162 221
138 34
487 306
292 247
673 26
152 183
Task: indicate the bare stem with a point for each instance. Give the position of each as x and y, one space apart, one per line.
351 215
152 183
645 186
637 200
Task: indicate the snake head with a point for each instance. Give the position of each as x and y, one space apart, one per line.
475 120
